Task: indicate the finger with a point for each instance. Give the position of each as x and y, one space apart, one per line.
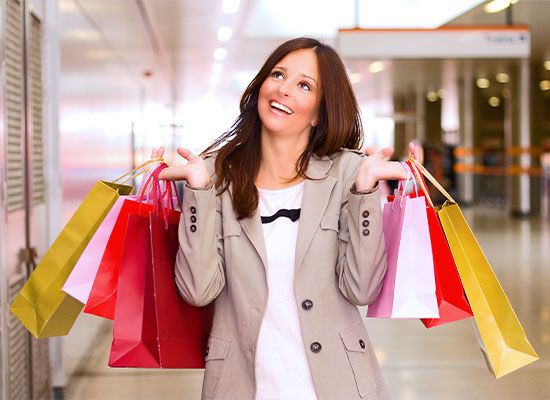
153 152
186 153
160 152
386 152
413 150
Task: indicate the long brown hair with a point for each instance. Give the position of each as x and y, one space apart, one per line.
239 149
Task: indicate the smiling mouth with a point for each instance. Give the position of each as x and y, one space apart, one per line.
281 107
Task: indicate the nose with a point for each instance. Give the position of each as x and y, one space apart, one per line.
284 88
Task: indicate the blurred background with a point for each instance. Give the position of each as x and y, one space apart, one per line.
90 86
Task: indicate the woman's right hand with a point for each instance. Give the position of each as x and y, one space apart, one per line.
194 172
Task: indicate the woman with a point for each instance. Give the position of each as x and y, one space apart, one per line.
281 227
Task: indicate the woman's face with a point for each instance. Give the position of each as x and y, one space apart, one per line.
289 97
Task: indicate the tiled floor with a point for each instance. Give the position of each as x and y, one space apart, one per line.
442 363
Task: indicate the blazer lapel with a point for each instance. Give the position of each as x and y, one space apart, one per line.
253 229
314 203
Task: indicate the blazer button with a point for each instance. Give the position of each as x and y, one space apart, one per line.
366 232
192 228
193 219
206 351
365 214
365 222
315 347
361 343
193 210
307 304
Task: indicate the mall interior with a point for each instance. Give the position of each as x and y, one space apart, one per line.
89 87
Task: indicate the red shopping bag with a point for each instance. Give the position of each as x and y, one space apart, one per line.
451 299
101 301
153 326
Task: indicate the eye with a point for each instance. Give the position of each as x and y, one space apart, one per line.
304 86
277 74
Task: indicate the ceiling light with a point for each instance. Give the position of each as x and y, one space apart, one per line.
441 93
494 101
230 6
376 66
513 1
432 96
544 85
483 83
496 6
217 67
214 79
355 78
219 54
225 33
547 65
502 77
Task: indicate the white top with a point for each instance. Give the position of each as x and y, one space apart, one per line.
282 370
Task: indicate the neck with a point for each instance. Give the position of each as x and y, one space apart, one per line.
279 156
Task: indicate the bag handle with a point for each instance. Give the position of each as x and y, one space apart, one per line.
416 167
137 171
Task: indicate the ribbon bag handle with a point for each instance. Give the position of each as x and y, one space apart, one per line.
416 167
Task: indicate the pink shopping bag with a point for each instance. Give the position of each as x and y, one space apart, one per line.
408 289
79 283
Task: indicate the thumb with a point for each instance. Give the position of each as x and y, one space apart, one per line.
386 152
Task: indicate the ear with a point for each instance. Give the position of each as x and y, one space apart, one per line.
314 121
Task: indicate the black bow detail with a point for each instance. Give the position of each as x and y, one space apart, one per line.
293 215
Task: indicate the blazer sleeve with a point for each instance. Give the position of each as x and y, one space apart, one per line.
200 264
361 263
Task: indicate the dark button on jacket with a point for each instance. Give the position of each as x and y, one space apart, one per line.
316 347
307 304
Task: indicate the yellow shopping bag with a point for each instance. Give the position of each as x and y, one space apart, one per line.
503 341
41 305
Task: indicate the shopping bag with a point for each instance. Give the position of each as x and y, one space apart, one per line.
408 289
451 299
102 297
79 283
43 308
153 326
505 345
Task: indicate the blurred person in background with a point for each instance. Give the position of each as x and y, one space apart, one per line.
282 228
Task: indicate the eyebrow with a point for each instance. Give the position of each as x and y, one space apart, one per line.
304 75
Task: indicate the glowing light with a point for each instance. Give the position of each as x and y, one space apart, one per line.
376 67
230 6
544 85
219 54
432 96
483 83
225 33
494 101
355 78
502 77
496 6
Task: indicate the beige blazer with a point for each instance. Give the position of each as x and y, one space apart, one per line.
340 264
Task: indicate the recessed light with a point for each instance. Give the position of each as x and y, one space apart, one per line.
494 101
355 78
376 66
432 96
502 77
483 83
224 33
230 6
219 54
544 85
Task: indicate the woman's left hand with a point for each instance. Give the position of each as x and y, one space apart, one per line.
376 166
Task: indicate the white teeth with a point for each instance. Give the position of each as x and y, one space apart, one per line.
281 107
